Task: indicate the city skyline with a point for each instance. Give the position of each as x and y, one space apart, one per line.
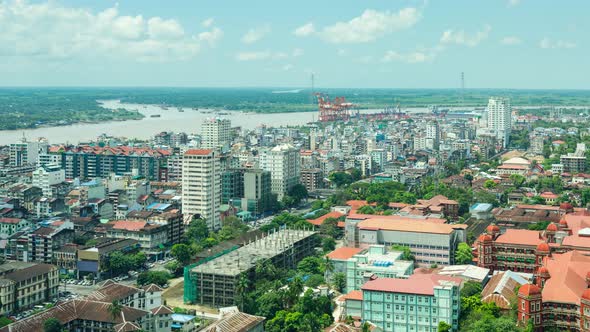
373 44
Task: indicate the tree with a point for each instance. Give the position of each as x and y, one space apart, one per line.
298 192
517 180
174 267
340 179
444 326
52 325
328 244
405 250
366 209
463 255
471 288
310 265
242 286
115 310
328 267
490 184
339 281
182 253
196 230
159 278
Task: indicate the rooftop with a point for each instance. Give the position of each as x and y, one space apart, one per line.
244 258
405 224
520 236
343 253
422 284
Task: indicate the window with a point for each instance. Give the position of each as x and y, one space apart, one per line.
522 304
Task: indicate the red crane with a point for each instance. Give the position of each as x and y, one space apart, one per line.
337 109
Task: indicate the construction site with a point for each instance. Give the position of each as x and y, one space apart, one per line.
339 109
213 282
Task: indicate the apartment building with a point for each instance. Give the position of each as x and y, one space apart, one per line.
201 186
9 226
216 134
23 285
283 163
43 241
150 236
93 260
418 303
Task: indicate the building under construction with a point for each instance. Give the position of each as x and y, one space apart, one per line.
214 282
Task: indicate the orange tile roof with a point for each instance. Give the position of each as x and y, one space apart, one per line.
422 284
343 253
129 225
198 152
520 236
404 224
320 220
568 277
355 295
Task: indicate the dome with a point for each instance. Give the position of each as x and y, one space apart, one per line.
493 228
529 289
484 238
566 206
543 270
552 227
563 222
543 247
586 294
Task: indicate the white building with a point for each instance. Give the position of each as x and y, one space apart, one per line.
201 186
25 153
216 133
47 176
283 163
500 118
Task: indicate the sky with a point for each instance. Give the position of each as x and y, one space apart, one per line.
515 44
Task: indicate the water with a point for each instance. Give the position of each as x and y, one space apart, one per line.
171 119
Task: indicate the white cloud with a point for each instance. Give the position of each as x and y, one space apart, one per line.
412 57
370 25
261 55
254 35
287 67
304 30
211 37
460 37
548 43
208 22
297 52
166 29
54 31
512 3
341 52
511 40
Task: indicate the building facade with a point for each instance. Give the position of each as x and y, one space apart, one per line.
201 186
216 134
283 163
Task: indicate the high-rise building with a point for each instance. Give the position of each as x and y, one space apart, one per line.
283 163
201 186
216 133
500 118
433 135
26 153
47 176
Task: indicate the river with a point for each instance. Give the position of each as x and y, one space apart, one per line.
171 119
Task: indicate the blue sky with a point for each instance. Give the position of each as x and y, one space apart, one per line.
389 44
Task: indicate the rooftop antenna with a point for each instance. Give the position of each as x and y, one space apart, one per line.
461 95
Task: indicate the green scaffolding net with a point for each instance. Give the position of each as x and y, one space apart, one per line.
191 291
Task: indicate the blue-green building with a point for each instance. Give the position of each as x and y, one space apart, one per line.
415 304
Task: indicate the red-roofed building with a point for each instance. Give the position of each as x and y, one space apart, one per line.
560 296
393 302
320 220
151 236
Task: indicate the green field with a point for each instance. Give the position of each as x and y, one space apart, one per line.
34 107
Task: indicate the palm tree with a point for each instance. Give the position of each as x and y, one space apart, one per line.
115 310
328 267
241 288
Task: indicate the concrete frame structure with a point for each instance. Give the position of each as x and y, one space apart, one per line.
214 282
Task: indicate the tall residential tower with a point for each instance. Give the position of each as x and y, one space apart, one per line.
201 186
500 118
